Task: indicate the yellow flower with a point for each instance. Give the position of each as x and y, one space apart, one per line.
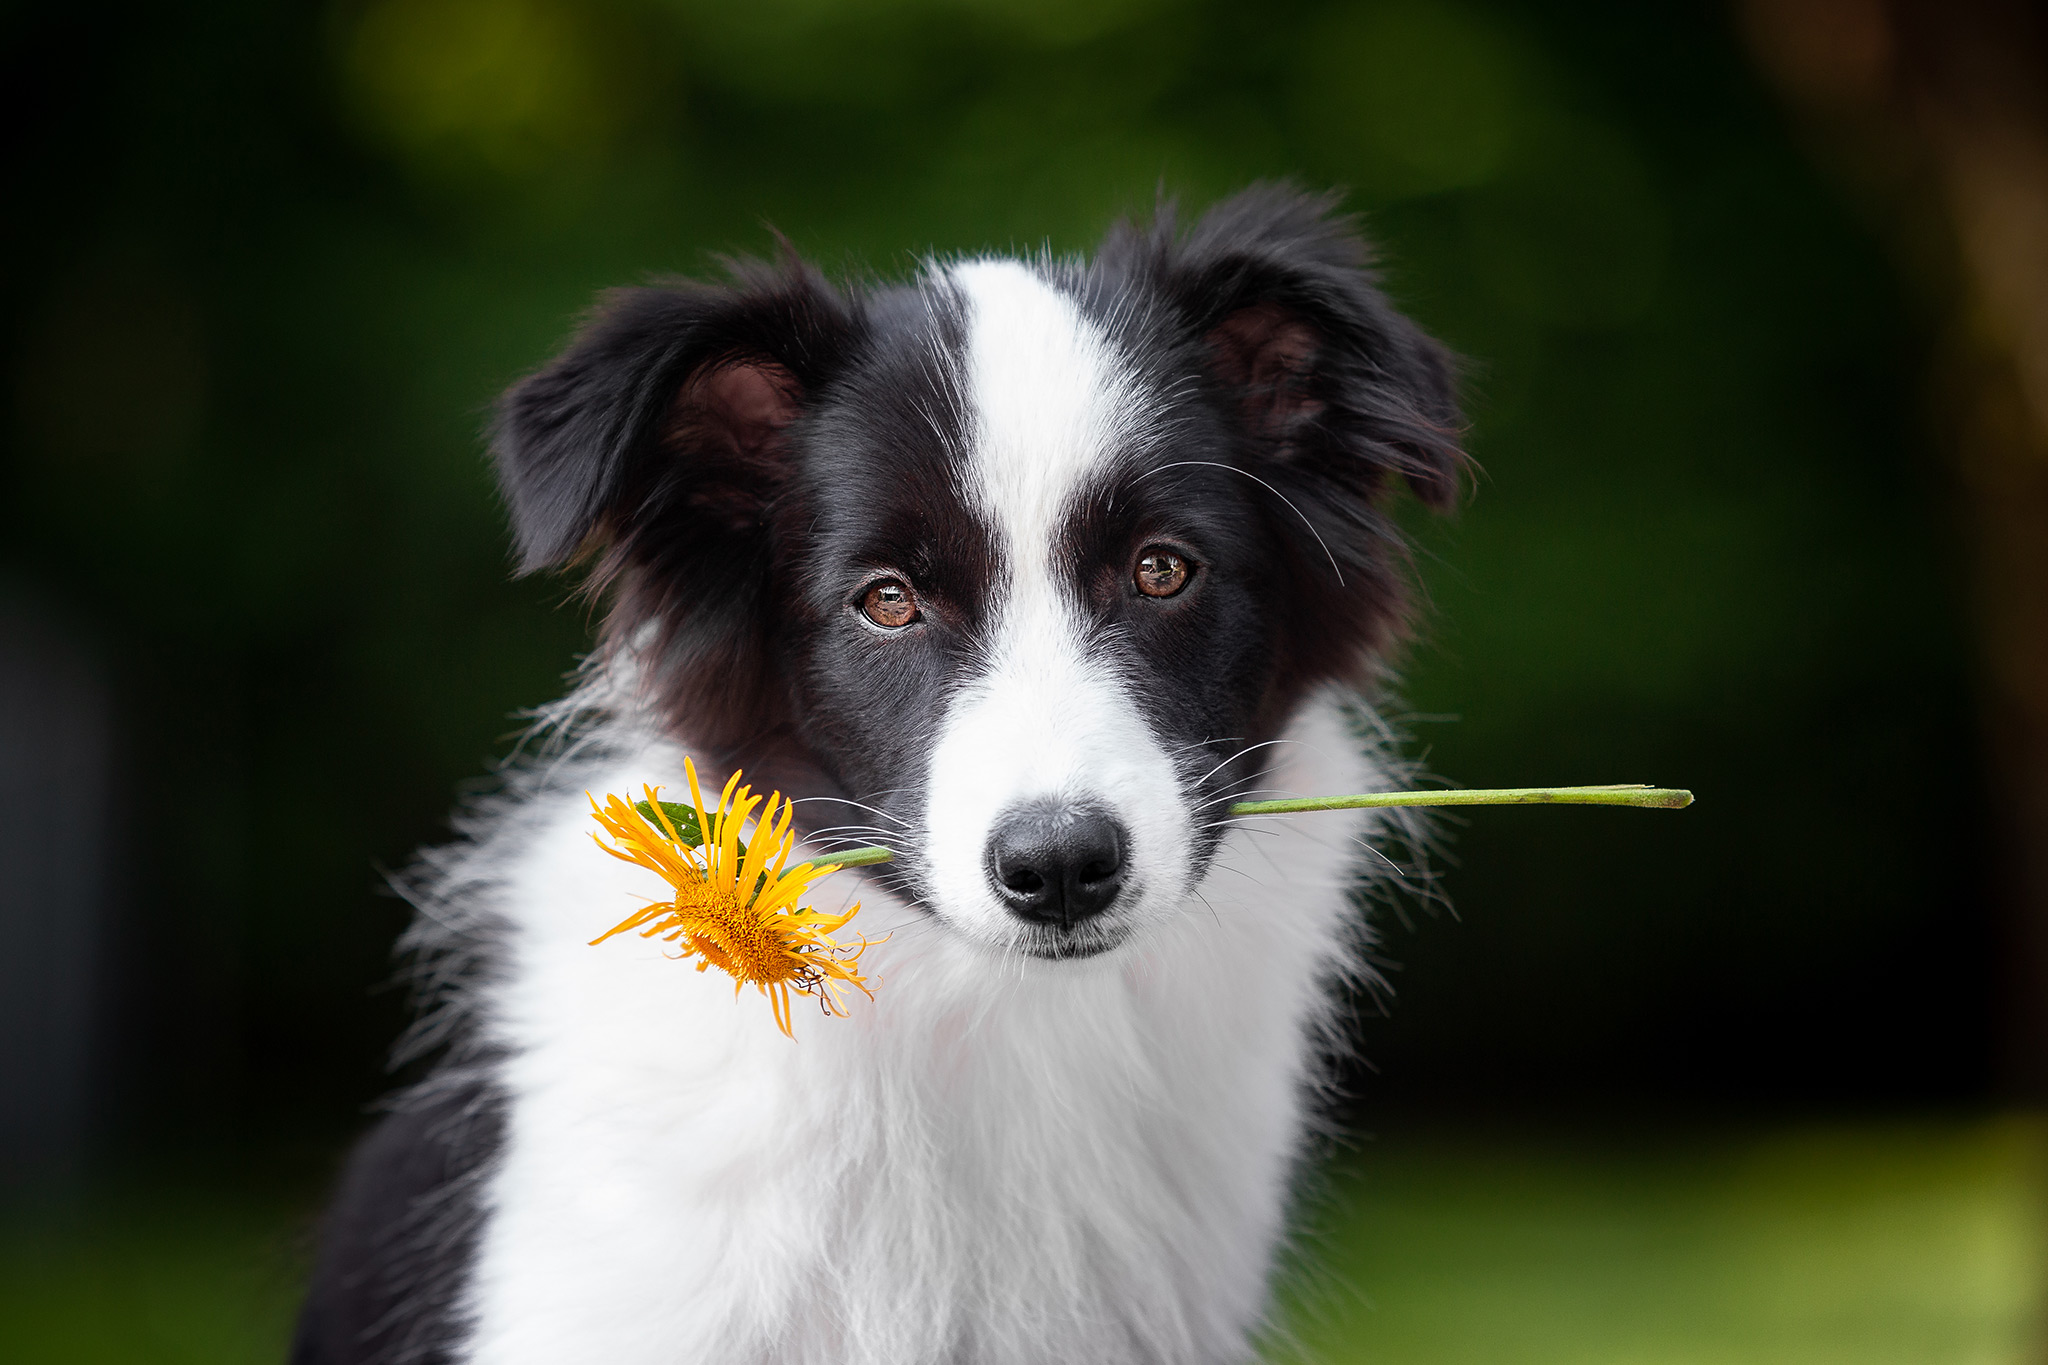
759 934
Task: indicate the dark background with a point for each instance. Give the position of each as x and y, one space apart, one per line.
263 267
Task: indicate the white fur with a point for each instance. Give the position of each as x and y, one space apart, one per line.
999 1160
1047 718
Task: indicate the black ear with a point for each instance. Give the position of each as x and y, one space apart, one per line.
659 446
681 391
1320 367
1330 398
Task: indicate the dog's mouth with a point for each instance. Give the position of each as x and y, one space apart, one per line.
1040 942
1074 945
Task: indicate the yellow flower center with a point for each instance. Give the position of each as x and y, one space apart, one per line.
733 936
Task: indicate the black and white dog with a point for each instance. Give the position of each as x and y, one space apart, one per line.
1027 569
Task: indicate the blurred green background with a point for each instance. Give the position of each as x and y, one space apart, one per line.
265 266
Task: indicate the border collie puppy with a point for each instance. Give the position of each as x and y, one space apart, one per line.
1027 569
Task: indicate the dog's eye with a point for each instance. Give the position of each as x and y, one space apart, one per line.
889 604
1161 572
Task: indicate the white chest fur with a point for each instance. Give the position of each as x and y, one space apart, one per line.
998 1160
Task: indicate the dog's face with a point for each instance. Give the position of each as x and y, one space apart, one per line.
1020 563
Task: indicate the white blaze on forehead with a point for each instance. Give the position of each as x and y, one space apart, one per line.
1049 398
1050 717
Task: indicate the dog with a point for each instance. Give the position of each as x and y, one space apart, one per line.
1027 569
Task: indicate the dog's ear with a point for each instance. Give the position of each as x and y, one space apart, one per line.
1321 370
1330 399
658 448
670 400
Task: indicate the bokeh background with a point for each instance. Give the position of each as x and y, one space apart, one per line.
1755 307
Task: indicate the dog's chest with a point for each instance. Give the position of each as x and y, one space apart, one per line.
994 1162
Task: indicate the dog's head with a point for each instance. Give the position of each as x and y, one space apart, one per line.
1025 558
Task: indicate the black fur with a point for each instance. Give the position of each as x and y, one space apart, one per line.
399 1235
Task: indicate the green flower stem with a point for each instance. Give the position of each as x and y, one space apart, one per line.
1628 794
860 857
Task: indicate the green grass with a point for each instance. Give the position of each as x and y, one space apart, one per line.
150 1275
1870 1244
1860 1245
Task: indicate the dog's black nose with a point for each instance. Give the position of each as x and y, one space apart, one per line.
1057 864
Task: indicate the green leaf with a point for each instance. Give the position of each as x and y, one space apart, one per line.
684 819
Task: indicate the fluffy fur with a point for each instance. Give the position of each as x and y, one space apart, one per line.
1045 1139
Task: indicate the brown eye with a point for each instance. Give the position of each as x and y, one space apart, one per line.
1161 572
889 604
